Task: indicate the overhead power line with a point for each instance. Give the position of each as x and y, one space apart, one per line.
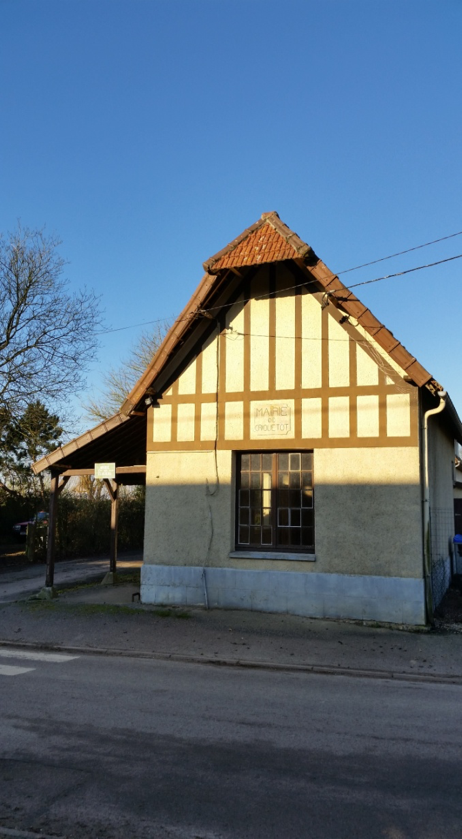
306 283
407 271
400 253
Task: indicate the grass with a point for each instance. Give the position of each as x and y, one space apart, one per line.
84 609
133 578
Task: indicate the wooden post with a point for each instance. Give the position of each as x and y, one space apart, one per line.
30 542
50 575
113 490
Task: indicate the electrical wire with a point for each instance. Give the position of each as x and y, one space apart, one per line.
335 292
234 332
407 271
400 253
303 284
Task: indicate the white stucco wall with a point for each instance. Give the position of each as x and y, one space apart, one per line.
188 514
368 511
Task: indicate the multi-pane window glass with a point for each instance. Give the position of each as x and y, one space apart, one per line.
275 501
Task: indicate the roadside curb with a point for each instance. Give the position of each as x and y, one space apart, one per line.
317 669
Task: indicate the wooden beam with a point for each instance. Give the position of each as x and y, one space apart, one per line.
62 484
50 572
109 487
113 492
120 470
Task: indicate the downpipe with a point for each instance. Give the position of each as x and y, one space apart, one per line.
426 508
206 594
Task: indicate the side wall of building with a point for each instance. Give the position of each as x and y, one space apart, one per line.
441 496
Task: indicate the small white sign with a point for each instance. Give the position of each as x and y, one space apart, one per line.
272 419
105 471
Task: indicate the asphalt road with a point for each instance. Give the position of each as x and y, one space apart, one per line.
97 746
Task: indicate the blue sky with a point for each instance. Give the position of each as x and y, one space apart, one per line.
149 133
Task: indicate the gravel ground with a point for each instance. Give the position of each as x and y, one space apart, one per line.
100 618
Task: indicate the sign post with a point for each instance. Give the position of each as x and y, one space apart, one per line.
106 472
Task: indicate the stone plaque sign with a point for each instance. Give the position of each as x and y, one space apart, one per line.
272 419
105 470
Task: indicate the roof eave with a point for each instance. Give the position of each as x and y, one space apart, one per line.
89 436
175 334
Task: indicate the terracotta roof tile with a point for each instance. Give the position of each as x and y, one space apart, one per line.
264 245
269 240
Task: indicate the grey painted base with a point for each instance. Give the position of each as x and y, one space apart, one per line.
391 599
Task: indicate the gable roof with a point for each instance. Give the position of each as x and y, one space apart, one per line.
269 240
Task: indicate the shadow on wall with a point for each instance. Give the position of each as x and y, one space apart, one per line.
359 528
368 547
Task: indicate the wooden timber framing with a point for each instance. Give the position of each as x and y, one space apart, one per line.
120 439
120 471
285 382
105 443
242 255
57 485
113 490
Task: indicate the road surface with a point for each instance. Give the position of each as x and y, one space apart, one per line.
106 747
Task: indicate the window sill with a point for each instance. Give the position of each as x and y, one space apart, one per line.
294 557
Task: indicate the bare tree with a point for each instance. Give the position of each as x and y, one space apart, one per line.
47 335
118 381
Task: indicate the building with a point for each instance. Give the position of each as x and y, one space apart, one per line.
298 458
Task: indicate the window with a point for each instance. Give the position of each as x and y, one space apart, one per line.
275 509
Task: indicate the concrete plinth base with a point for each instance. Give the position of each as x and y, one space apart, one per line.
45 593
110 579
312 595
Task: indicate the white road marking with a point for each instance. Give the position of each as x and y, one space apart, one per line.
24 834
9 670
30 655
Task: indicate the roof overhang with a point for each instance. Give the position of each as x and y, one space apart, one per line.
121 439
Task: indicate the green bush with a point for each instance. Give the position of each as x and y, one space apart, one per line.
83 525
14 509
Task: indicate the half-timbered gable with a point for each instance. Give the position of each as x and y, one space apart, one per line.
279 365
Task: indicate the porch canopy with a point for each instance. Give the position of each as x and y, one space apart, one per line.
121 440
